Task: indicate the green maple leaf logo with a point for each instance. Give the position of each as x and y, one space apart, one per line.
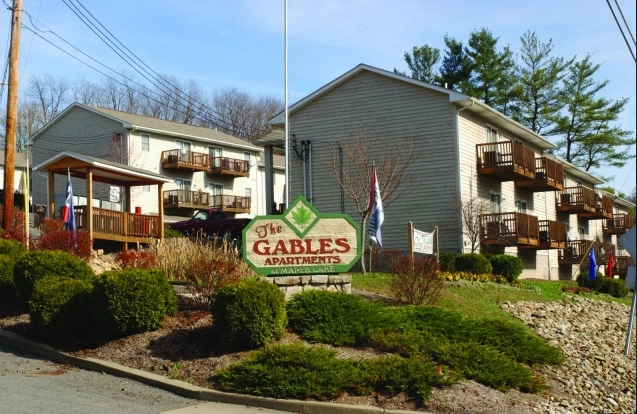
302 216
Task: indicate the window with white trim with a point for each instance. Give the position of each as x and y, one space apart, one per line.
496 203
145 188
492 135
145 138
215 189
183 184
248 192
184 148
520 206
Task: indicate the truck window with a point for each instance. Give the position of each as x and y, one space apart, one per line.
201 215
218 215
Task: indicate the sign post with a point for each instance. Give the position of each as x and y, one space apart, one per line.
423 242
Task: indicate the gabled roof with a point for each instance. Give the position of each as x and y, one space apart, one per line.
150 124
104 171
461 100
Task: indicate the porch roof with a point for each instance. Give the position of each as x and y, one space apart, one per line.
104 171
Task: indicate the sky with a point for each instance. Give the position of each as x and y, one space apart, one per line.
240 43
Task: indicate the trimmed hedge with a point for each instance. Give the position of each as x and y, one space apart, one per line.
132 300
7 285
508 266
447 262
36 265
61 306
473 263
614 287
249 315
12 248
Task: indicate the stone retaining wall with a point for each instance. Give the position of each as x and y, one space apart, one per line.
291 285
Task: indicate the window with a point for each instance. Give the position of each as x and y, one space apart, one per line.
496 203
215 189
246 157
248 192
215 154
145 142
201 216
581 230
520 206
492 135
145 188
183 184
184 149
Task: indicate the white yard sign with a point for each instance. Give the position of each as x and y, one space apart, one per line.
423 242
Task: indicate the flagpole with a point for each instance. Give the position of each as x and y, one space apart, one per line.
287 114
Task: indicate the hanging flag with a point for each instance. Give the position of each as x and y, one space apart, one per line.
376 213
610 265
69 210
592 264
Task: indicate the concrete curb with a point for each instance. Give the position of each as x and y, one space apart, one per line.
185 389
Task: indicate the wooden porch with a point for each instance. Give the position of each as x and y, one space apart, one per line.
584 202
619 224
506 161
621 266
549 176
509 228
103 224
603 252
576 251
230 203
188 160
186 199
229 166
552 235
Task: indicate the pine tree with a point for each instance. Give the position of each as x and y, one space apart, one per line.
455 69
421 63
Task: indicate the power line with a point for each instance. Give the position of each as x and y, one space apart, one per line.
625 24
621 30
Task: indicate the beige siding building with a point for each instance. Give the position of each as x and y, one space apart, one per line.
466 151
209 168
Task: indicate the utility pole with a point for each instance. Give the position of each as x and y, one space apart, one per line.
12 115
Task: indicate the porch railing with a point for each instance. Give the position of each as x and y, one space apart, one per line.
552 231
502 154
550 170
575 250
221 164
508 225
119 223
174 156
576 197
620 222
230 202
186 197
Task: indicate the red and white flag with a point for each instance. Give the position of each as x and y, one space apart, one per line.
376 212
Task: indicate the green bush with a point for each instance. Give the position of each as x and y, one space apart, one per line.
249 315
603 284
132 300
302 372
12 248
171 233
473 263
36 265
447 262
7 285
61 306
332 317
508 266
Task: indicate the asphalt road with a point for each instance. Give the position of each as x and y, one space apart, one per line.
29 384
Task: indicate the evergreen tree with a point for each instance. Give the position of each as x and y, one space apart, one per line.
539 93
421 63
586 136
455 69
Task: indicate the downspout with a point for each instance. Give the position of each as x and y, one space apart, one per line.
458 175
309 152
303 157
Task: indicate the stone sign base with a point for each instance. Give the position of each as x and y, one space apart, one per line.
291 285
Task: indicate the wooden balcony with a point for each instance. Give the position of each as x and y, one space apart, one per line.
576 251
230 203
506 161
549 176
186 199
585 203
509 229
552 235
120 226
619 224
229 166
189 161
603 252
621 265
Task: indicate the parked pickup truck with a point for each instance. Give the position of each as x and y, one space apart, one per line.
210 223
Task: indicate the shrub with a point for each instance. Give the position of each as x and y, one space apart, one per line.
208 276
138 259
132 300
508 266
61 306
171 233
249 315
614 287
54 237
415 280
335 318
447 262
472 263
40 264
471 277
16 232
12 248
7 285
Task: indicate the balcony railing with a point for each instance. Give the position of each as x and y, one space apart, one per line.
117 225
621 265
506 161
230 203
186 199
552 235
619 224
549 176
584 202
509 228
229 166
603 252
188 160
575 252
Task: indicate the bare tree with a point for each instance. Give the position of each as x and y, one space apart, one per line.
86 92
470 210
355 151
51 95
28 124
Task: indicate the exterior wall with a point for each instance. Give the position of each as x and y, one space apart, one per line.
394 110
80 131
